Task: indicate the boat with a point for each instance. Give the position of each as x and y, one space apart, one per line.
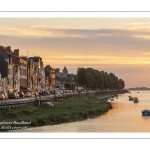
131 98
136 100
49 104
146 112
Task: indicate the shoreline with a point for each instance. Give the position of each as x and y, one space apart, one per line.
64 111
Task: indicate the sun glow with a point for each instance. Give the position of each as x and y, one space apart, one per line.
96 60
119 45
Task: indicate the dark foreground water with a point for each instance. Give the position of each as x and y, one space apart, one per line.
125 116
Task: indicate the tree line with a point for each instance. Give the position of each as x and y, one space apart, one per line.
96 79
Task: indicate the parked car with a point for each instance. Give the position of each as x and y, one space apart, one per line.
27 94
2 96
47 92
67 91
13 95
17 95
5 94
32 94
21 94
36 93
62 92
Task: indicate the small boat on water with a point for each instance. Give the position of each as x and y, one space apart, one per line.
136 100
145 112
131 98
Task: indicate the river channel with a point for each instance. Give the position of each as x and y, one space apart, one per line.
125 116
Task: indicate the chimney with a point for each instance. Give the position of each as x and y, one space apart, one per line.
8 49
16 52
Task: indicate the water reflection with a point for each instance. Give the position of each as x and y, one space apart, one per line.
125 116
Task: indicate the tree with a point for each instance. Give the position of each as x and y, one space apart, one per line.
67 85
121 84
81 76
98 79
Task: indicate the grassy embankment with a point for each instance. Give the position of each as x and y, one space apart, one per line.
64 110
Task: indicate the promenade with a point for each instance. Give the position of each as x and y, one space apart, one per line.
34 101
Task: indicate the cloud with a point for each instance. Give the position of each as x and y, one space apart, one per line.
114 49
47 31
129 36
135 25
118 41
122 36
133 82
36 31
148 53
95 60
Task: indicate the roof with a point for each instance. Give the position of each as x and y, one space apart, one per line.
10 54
68 79
35 58
65 69
48 68
15 59
64 79
4 56
24 57
73 75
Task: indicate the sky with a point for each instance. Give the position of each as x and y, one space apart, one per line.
117 45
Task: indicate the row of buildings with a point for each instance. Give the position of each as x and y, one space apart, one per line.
19 73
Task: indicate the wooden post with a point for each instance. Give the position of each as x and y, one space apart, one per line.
56 95
39 101
79 93
63 94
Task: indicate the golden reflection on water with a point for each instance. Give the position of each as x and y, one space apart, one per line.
125 116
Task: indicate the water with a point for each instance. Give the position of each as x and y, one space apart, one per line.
125 116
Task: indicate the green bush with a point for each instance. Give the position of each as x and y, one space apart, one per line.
41 120
72 109
10 114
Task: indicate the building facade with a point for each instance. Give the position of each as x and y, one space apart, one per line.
50 78
7 70
23 73
39 74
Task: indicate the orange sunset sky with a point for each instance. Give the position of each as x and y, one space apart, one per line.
118 45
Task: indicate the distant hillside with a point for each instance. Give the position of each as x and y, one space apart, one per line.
139 88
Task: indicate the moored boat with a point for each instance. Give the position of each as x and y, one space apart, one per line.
131 98
145 112
136 100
